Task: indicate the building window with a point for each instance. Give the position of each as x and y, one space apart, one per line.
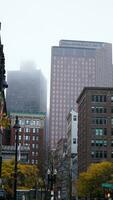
27 130
33 161
74 118
105 143
19 137
27 137
33 130
74 140
27 122
33 146
38 123
99 154
92 142
20 129
112 110
33 122
105 154
112 154
92 154
105 131
111 98
112 131
98 98
112 143
33 137
98 131
112 121
92 109
37 130
33 153
22 122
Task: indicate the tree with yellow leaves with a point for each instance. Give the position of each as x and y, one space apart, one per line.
89 184
27 176
4 121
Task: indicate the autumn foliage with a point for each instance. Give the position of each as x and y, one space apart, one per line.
89 184
28 176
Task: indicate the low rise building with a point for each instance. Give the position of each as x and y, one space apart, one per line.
8 152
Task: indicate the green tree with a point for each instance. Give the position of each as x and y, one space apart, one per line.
89 183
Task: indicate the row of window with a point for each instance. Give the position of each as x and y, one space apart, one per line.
29 122
100 143
100 131
100 98
100 109
28 130
27 138
100 154
34 161
34 153
101 120
34 146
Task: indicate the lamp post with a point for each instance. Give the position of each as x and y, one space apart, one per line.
52 180
16 127
3 86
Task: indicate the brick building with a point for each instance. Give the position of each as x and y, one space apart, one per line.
95 126
31 134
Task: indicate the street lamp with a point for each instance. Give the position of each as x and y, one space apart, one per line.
16 127
3 86
51 181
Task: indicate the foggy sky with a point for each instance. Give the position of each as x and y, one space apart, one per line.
31 27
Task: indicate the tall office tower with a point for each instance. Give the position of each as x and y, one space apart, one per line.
75 64
27 92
